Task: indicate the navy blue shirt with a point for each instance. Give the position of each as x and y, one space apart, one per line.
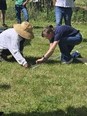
62 32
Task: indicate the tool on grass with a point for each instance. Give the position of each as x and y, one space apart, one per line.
33 66
82 60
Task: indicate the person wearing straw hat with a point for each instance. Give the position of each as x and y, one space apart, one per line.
11 39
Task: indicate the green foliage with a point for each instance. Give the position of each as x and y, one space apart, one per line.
43 13
10 13
79 15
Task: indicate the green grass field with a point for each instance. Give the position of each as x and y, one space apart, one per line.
50 89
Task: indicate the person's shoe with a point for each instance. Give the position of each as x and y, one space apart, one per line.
67 62
76 54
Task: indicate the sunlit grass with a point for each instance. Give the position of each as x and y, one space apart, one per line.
46 88
50 89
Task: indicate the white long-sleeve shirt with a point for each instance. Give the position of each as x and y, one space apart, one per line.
64 3
10 40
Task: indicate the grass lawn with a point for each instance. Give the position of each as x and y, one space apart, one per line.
51 89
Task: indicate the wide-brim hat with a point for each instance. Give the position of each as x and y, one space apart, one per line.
24 30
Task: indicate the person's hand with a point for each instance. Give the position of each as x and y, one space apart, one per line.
26 65
41 60
54 1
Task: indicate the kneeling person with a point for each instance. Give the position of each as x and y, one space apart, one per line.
12 39
66 37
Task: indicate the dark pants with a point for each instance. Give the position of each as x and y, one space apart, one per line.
3 5
66 45
19 9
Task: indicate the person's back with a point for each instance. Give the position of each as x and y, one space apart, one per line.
8 37
64 31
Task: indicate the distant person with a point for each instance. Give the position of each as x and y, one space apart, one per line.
63 10
12 39
20 6
36 3
3 8
66 37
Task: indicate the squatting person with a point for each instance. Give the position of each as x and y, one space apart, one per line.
66 37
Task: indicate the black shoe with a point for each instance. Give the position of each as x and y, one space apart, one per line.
67 62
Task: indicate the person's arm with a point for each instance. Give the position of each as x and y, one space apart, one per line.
19 58
54 1
48 53
15 51
26 1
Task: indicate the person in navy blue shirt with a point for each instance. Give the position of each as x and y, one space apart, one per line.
66 37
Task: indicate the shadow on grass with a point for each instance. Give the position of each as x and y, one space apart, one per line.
76 61
70 111
32 60
5 86
84 39
29 59
38 27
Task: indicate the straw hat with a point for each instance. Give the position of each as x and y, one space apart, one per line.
24 30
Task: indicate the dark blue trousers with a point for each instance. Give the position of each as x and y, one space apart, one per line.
67 44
